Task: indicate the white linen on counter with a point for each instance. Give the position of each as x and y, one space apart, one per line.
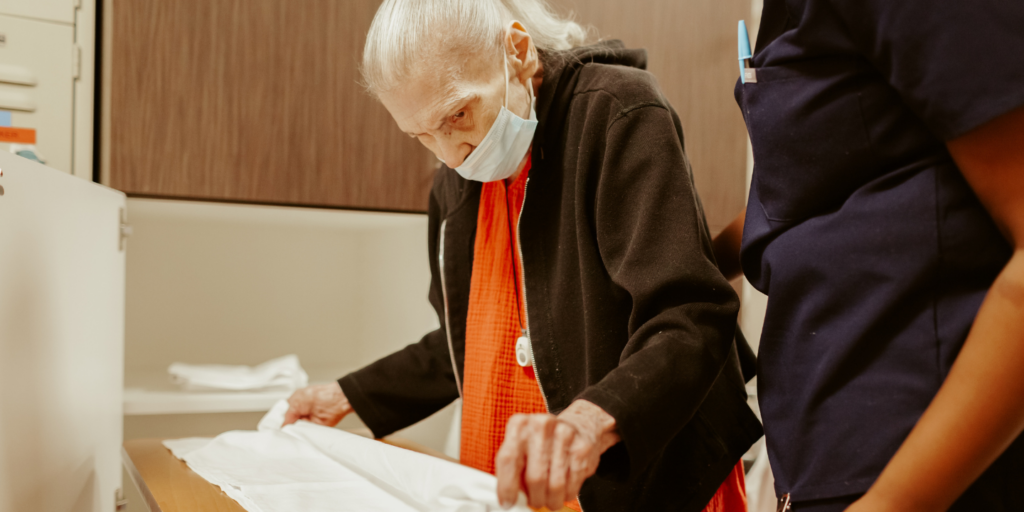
315 468
280 374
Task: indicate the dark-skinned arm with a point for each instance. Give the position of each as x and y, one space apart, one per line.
977 412
726 247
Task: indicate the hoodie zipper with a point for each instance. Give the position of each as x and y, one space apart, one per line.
447 318
526 308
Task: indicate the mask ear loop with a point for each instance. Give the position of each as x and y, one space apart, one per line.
529 92
505 65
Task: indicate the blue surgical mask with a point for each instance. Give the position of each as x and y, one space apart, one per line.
498 156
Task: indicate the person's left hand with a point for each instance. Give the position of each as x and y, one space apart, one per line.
550 456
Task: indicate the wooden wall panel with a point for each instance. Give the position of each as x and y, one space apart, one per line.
691 47
254 100
257 100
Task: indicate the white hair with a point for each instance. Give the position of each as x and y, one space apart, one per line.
406 31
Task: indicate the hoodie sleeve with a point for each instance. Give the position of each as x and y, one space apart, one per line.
656 247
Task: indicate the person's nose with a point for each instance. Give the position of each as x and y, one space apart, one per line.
452 151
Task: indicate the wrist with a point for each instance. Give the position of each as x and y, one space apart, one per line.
343 404
593 422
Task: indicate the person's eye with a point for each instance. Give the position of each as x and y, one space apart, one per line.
458 116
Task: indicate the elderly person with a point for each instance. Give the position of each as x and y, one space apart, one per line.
584 321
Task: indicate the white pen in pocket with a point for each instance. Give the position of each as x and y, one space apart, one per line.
747 74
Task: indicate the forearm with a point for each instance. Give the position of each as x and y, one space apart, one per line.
592 421
976 414
726 247
674 369
404 387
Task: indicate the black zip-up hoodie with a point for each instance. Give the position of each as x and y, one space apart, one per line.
625 304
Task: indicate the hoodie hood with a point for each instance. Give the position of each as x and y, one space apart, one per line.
561 73
612 51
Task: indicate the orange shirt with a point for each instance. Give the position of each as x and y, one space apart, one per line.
495 387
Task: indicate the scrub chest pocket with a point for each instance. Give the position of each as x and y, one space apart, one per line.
809 137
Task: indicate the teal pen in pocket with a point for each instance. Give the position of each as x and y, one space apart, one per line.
747 73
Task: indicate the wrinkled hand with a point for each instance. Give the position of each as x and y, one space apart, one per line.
323 404
550 456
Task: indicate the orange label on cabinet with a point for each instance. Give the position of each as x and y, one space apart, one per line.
18 135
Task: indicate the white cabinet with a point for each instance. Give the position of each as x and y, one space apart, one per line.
47 71
49 10
37 83
62 278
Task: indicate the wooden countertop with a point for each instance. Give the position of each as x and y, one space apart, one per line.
169 485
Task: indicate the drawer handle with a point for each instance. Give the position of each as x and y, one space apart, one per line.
20 75
11 100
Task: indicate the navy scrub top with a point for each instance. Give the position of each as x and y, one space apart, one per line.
873 250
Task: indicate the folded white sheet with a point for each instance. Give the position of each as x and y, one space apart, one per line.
313 468
281 374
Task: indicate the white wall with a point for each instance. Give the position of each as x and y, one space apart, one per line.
239 284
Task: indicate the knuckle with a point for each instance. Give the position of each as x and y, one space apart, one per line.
534 480
530 426
541 424
516 421
536 474
589 467
557 483
550 424
509 451
580 448
506 448
575 459
564 431
579 464
511 441
504 457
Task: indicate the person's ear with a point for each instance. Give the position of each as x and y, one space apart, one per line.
519 45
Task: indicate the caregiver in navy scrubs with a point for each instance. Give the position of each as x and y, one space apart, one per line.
886 225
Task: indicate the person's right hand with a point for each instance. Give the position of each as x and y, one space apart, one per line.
323 404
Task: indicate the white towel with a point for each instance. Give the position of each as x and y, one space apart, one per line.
313 468
281 374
